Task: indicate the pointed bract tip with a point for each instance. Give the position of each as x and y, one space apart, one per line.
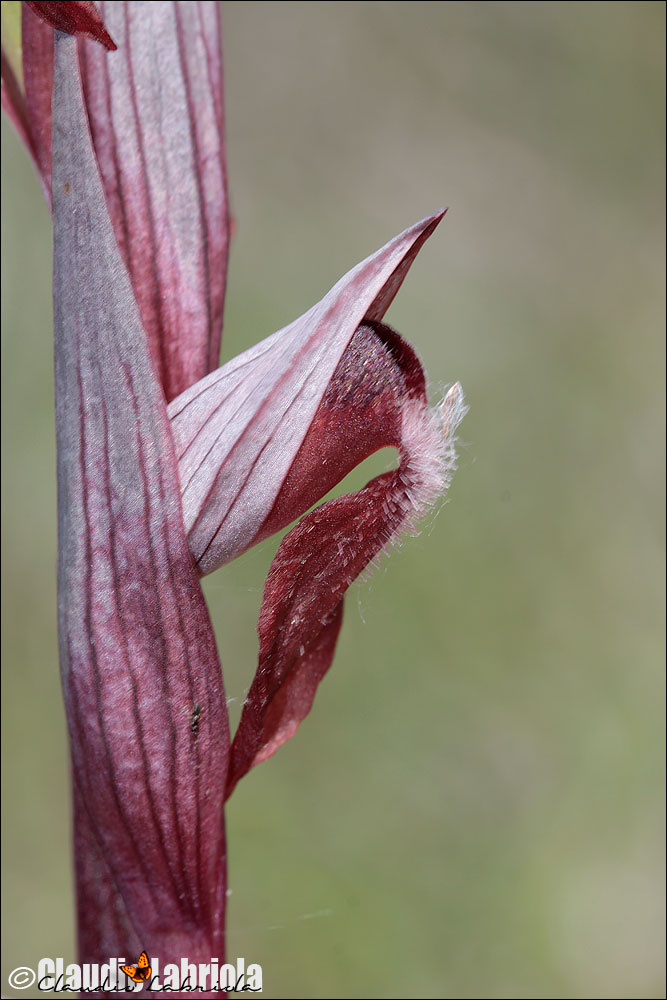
431 221
425 227
438 216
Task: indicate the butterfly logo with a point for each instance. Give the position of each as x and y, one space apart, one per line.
140 972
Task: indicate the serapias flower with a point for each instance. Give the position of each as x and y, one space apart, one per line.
263 438
169 467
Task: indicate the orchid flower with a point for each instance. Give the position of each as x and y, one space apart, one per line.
169 466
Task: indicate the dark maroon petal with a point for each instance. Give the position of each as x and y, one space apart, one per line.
138 655
376 398
285 684
238 431
155 112
361 412
76 17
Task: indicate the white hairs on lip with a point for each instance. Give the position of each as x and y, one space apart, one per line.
452 411
427 462
428 450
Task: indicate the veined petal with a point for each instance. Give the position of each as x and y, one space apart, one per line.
138 656
102 917
155 110
238 431
376 398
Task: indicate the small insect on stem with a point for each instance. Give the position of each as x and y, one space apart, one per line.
196 716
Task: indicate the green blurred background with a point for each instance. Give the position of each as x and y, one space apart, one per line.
474 808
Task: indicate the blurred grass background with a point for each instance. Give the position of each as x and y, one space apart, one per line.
474 807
